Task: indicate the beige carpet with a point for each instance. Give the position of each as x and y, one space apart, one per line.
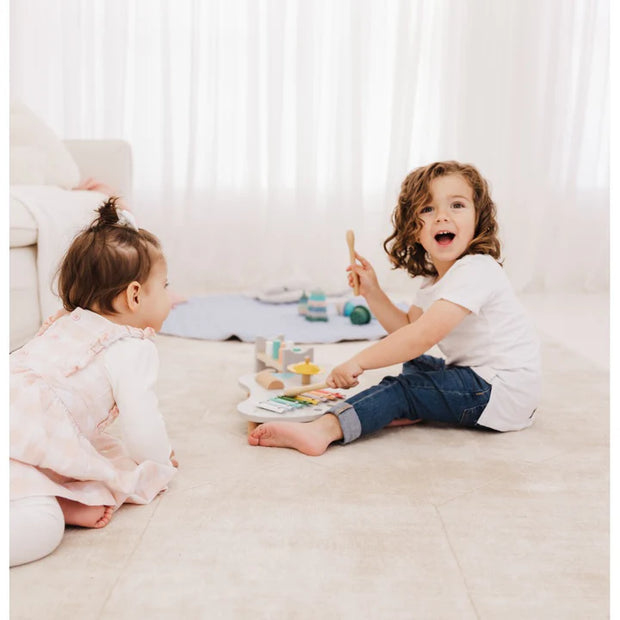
414 522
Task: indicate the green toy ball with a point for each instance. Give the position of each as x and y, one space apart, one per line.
360 315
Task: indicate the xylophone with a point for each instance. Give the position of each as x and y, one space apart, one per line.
264 405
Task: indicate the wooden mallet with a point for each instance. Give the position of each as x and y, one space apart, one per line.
351 244
295 391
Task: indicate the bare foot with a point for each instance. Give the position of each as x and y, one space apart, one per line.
83 515
402 422
311 438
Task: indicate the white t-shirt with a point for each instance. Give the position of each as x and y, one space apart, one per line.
497 341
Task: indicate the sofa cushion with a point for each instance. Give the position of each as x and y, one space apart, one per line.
24 230
24 312
37 155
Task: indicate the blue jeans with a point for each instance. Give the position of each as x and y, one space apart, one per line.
426 389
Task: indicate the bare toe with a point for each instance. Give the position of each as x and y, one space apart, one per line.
255 435
105 518
83 515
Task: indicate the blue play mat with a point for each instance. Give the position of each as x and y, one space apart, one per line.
220 317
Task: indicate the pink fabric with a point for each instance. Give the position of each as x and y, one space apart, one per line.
61 403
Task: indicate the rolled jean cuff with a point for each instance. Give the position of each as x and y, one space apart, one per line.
349 421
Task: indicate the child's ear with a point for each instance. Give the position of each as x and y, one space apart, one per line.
132 294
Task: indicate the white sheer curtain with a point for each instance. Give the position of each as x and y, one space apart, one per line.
263 129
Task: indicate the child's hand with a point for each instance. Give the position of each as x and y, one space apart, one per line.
366 274
173 460
92 185
345 375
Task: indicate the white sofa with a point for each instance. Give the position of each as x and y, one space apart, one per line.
108 161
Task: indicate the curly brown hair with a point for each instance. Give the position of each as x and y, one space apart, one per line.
103 260
402 246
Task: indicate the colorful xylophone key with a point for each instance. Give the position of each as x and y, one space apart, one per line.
282 404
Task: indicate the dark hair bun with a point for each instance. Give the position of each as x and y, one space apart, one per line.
108 215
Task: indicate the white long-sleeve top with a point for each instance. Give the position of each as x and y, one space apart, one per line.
132 367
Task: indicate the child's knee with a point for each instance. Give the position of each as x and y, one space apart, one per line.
36 528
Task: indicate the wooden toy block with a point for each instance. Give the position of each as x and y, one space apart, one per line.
262 359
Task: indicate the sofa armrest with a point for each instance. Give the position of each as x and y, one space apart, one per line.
108 161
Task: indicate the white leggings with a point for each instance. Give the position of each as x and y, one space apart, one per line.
36 528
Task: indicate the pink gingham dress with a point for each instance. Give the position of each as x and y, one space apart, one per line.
61 401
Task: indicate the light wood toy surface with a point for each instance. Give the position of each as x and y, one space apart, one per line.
351 244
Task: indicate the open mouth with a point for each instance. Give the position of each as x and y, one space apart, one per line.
444 238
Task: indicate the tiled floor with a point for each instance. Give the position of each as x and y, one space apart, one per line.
416 522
